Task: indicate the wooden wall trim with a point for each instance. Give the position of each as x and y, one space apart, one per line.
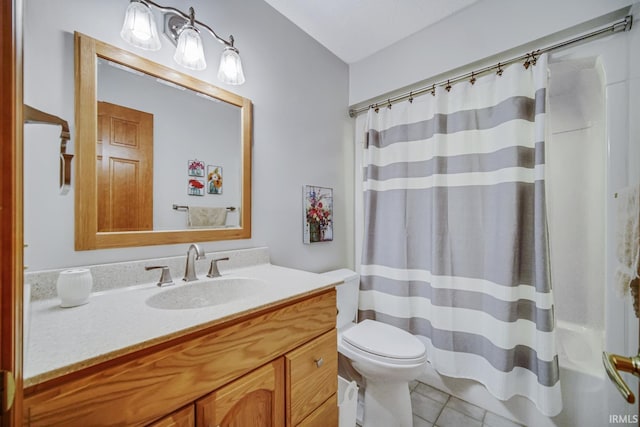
11 237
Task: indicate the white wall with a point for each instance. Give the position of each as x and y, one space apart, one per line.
302 134
487 28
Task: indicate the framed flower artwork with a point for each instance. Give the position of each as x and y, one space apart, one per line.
195 167
195 187
214 179
317 214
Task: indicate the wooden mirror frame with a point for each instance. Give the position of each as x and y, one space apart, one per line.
87 236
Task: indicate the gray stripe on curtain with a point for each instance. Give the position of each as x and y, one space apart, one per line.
514 108
517 156
481 219
506 311
502 359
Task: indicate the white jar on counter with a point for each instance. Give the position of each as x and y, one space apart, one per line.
74 287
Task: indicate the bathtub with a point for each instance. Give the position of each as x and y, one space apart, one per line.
582 377
580 349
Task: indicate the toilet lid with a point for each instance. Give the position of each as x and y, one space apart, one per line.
384 340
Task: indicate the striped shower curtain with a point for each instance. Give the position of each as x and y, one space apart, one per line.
455 244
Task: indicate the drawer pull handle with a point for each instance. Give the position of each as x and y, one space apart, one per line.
319 362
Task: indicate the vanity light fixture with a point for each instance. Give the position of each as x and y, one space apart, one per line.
183 30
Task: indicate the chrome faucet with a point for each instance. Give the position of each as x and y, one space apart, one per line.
190 266
213 269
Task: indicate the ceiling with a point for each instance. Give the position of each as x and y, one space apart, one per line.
355 29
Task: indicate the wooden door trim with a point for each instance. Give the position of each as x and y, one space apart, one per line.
11 201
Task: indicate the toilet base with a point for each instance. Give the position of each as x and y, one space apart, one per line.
387 404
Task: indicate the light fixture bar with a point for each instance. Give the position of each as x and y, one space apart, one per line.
183 30
187 18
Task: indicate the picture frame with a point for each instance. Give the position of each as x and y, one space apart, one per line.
214 179
195 167
195 187
317 214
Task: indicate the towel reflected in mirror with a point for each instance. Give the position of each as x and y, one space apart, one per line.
201 216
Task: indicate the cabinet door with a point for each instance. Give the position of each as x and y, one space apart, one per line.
254 400
184 417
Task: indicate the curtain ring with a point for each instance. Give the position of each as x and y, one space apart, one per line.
500 70
448 86
527 63
411 97
376 109
433 90
534 59
473 79
389 103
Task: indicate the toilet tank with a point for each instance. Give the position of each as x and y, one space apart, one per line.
347 295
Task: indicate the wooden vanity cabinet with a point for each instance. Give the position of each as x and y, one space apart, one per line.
261 369
258 398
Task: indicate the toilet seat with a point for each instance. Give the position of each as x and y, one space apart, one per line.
384 343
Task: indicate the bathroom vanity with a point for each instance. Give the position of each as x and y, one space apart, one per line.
269 359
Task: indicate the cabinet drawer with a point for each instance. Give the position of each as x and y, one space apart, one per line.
312 376
324 416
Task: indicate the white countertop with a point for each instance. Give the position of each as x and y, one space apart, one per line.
116 322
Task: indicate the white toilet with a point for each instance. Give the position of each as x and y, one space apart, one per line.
387 357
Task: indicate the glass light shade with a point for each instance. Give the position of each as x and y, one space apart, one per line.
189 52
139 28
230 70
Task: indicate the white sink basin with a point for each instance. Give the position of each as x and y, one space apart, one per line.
206 293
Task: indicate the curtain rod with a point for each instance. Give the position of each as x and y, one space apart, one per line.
529 58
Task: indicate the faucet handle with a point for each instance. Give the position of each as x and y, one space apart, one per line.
165 277
213 269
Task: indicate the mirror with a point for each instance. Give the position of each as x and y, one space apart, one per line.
151 143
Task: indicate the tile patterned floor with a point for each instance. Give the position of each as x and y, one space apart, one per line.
435 408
